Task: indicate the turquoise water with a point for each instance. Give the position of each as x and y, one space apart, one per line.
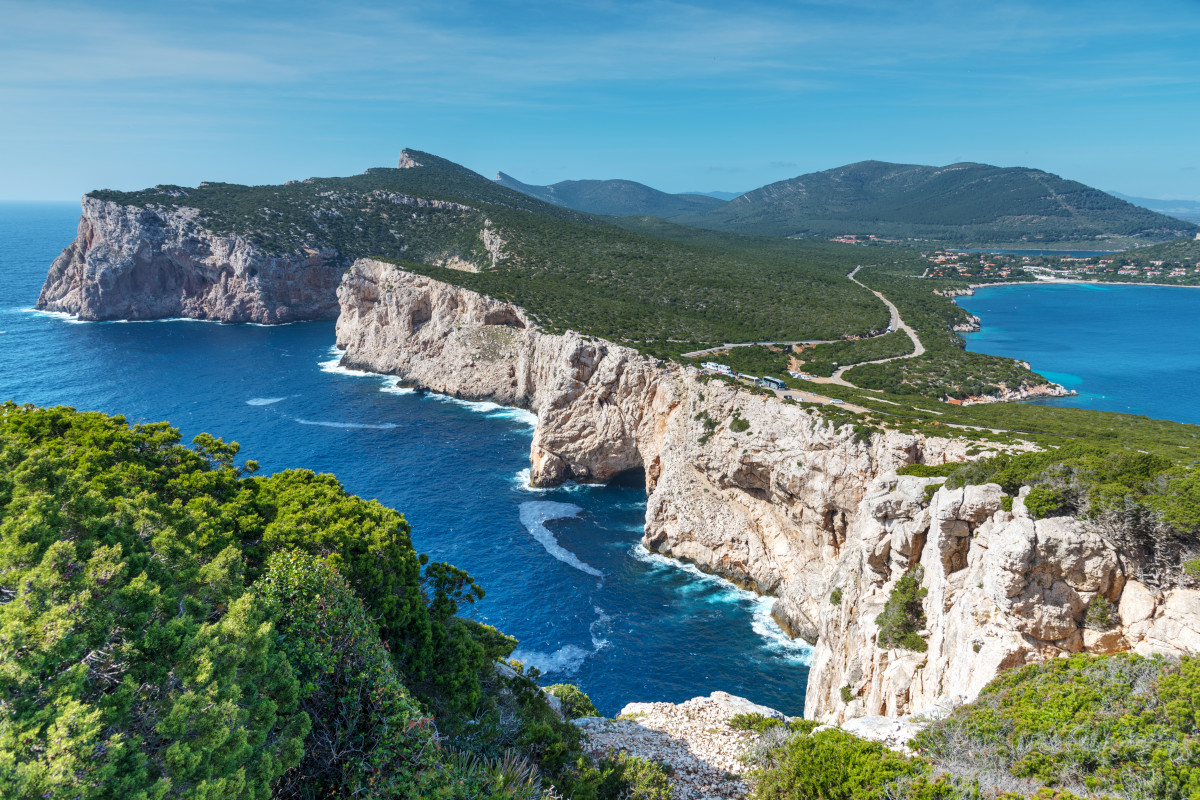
563 569
1133 349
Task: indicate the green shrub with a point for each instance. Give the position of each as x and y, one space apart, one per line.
847 694
1006 503
1118 724
737 424
835 597
833 765
1044 501
754 721
369 737
1100 613
621 776
930 470
575 703
903 615
134 662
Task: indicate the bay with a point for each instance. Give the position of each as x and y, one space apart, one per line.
563 569
1132 349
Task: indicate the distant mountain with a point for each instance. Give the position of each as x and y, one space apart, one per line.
719 195
1187 210
958 203
616 198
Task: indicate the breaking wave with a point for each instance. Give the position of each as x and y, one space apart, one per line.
762 623
534 516
381 426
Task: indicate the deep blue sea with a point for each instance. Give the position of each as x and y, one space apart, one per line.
563 569
1134 349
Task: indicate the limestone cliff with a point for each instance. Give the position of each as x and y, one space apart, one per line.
145 263
772 496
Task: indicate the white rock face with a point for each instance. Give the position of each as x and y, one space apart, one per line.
790 505
142 263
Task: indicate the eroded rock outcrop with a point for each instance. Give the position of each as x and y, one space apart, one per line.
151 263
772 496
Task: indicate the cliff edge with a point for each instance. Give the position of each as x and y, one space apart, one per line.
773 497
128 262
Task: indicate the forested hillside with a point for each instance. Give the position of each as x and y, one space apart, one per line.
619 198
958 203
570 270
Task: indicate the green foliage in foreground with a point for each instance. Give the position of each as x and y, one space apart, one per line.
1121 725
369 737
172 627
834 765
754 721
1098 726
575 703
930 470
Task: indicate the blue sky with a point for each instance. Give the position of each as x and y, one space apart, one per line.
681 95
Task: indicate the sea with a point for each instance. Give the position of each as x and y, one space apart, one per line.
563 569
1133 349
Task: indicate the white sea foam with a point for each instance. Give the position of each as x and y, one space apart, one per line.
334 365
768 629
517 414
521 481
569 658
382 426
63 315
479 406
391 385
264 401
762 623
534 515
598 642
566 660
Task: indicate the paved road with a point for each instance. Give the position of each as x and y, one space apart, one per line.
897 323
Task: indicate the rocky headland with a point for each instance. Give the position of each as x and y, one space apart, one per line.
774 497
152 263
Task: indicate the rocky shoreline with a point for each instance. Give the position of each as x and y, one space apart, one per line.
784 502
155 263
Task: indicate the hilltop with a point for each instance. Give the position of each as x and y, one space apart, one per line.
242 253
617 198
958 203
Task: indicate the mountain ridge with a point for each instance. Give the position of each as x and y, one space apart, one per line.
964 201
615 197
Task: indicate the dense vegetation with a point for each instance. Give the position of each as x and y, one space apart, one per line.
824 359
946 369
1109 726
624 286
172 625
618 198
570 270
1146 503
959 203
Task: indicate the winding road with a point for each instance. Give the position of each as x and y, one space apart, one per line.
896 323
